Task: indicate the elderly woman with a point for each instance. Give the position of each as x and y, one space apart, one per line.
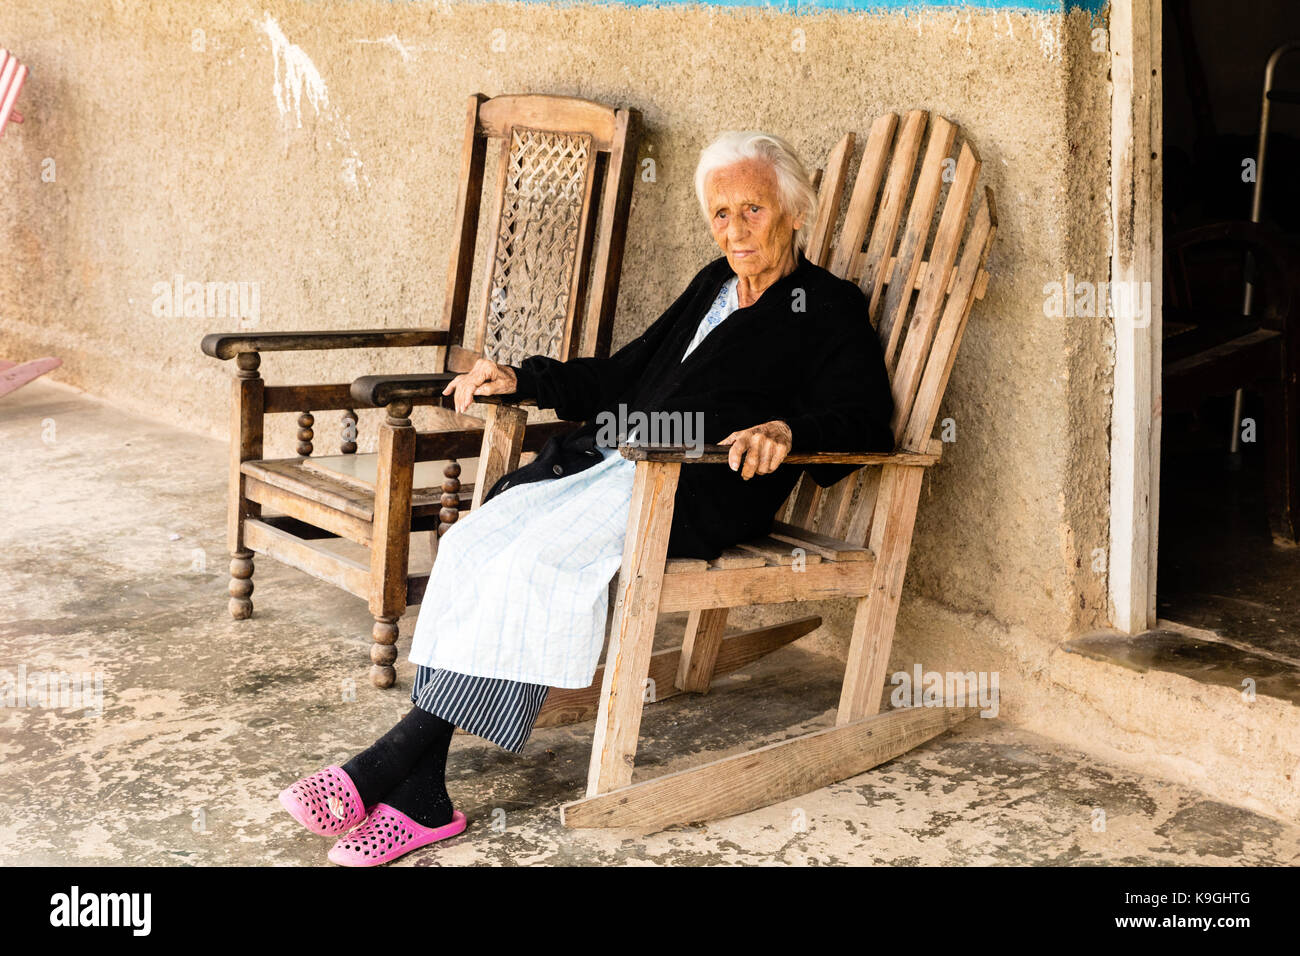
776 354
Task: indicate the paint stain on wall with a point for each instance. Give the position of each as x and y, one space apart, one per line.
296 77
295 74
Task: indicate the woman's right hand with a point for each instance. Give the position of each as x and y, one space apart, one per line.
485 378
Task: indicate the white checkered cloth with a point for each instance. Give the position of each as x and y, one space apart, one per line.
520 587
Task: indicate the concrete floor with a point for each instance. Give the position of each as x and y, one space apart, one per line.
115 563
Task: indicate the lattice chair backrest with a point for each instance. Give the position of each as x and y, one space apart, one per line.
921 284
558 215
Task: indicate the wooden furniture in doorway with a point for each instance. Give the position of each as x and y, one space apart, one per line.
1210 348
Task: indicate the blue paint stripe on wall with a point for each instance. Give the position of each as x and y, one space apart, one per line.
864 6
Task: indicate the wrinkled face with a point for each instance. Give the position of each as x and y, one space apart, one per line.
747 220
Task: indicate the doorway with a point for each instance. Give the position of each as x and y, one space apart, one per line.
1227 561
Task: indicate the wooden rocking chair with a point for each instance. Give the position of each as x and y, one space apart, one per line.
550 284
855 535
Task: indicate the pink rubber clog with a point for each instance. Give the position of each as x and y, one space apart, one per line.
327 802
387 834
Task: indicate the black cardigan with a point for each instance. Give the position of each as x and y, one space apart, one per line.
804 353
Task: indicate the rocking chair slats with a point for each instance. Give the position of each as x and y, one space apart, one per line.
682 565
859 523
836 504
883 234
700 646
863 201
951 326
830 192
911 247
830 548
779 553
851 540
855 496
944 253
924 410
732 558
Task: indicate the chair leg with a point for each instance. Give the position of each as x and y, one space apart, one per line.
241 584
383 652
631 638
700 649
873 622
389 550
247 405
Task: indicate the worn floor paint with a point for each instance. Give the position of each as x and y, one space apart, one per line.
115 564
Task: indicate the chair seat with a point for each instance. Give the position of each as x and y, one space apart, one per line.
777 549
346 483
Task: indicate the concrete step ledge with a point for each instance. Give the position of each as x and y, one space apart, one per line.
1190 730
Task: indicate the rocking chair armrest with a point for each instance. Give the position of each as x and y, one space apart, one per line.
504 400
717 454
377 391
226 345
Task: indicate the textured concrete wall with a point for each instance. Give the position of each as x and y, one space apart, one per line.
157 145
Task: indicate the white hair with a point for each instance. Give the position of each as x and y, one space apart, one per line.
794 187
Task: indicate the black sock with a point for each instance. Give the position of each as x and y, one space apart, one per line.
387 761
422 796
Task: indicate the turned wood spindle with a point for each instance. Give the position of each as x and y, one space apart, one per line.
247 364
305 434
383 651
450 496
349 446
241 585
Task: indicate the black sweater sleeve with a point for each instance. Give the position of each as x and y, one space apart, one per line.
581 387
848 404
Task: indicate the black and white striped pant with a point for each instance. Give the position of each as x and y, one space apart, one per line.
499 710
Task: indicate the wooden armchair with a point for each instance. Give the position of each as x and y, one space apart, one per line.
854 536
549 286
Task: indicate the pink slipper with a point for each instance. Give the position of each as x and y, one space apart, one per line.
387 834
327 802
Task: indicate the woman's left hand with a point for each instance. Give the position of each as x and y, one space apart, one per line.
761 448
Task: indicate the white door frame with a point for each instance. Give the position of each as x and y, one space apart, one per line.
1136 253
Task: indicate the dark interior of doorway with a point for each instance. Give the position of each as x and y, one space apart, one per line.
1227 563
